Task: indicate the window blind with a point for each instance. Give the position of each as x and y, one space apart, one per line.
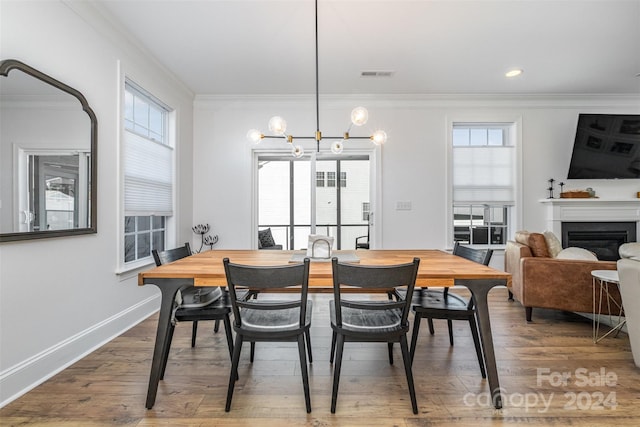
148 177
484 174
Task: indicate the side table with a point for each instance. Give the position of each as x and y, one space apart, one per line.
602 280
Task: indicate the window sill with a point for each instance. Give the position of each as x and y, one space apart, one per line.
495 247
132 269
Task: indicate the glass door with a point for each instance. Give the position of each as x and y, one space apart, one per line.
298 197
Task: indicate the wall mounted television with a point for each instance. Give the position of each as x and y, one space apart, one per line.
607 146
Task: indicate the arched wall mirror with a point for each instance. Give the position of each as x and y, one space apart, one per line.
48 147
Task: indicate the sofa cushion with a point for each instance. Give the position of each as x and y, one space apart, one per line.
553 243
522 237
577 254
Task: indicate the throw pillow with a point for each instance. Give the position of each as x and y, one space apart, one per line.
522 237
629 250
577 254
553 244
265 238
538 245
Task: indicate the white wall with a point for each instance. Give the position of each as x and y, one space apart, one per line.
60 298
414 160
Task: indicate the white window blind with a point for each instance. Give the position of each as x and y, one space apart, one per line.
148 177
484 173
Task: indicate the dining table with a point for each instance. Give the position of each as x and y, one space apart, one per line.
437 269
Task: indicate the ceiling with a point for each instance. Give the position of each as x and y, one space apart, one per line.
255 47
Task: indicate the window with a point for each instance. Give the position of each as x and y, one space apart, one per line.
483 182
331 179
148 174
142 234
144 116
343 179
366 208
319 179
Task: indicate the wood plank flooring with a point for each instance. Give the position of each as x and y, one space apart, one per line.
109 386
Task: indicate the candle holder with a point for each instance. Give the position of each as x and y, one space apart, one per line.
550 188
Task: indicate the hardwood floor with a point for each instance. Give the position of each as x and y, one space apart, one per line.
109 386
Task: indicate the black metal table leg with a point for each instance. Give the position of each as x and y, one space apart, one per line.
168 289
479 289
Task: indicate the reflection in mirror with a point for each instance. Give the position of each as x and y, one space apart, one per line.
47 156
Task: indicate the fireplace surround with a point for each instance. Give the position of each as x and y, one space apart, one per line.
599 225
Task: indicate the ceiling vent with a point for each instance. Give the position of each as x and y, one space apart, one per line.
377 73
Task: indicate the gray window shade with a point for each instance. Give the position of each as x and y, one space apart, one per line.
148 177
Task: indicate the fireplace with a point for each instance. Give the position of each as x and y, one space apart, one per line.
601 238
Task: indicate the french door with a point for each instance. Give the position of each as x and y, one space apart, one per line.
52 188
314 195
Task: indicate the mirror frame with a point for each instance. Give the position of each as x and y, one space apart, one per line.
12 64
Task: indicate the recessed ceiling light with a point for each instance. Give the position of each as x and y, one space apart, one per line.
513 73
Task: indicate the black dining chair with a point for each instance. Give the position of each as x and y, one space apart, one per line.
362 242
191 294
371 321
282 320
435 304
194 304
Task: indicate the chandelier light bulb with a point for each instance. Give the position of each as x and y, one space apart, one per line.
337 147
379 137
297 151
254 135
359 116
277 125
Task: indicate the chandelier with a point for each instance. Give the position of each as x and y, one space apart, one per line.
278 126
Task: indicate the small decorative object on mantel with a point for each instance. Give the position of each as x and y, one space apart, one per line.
551 181
561 184
205 239
578 194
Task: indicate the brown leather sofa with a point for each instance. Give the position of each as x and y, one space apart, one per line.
542 281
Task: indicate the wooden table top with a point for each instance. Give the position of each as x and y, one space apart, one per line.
437 268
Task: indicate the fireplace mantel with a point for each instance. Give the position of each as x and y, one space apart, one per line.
590 210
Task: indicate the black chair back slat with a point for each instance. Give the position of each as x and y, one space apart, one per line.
481 256
170 255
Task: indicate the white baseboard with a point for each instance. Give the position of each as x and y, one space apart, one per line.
23 377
